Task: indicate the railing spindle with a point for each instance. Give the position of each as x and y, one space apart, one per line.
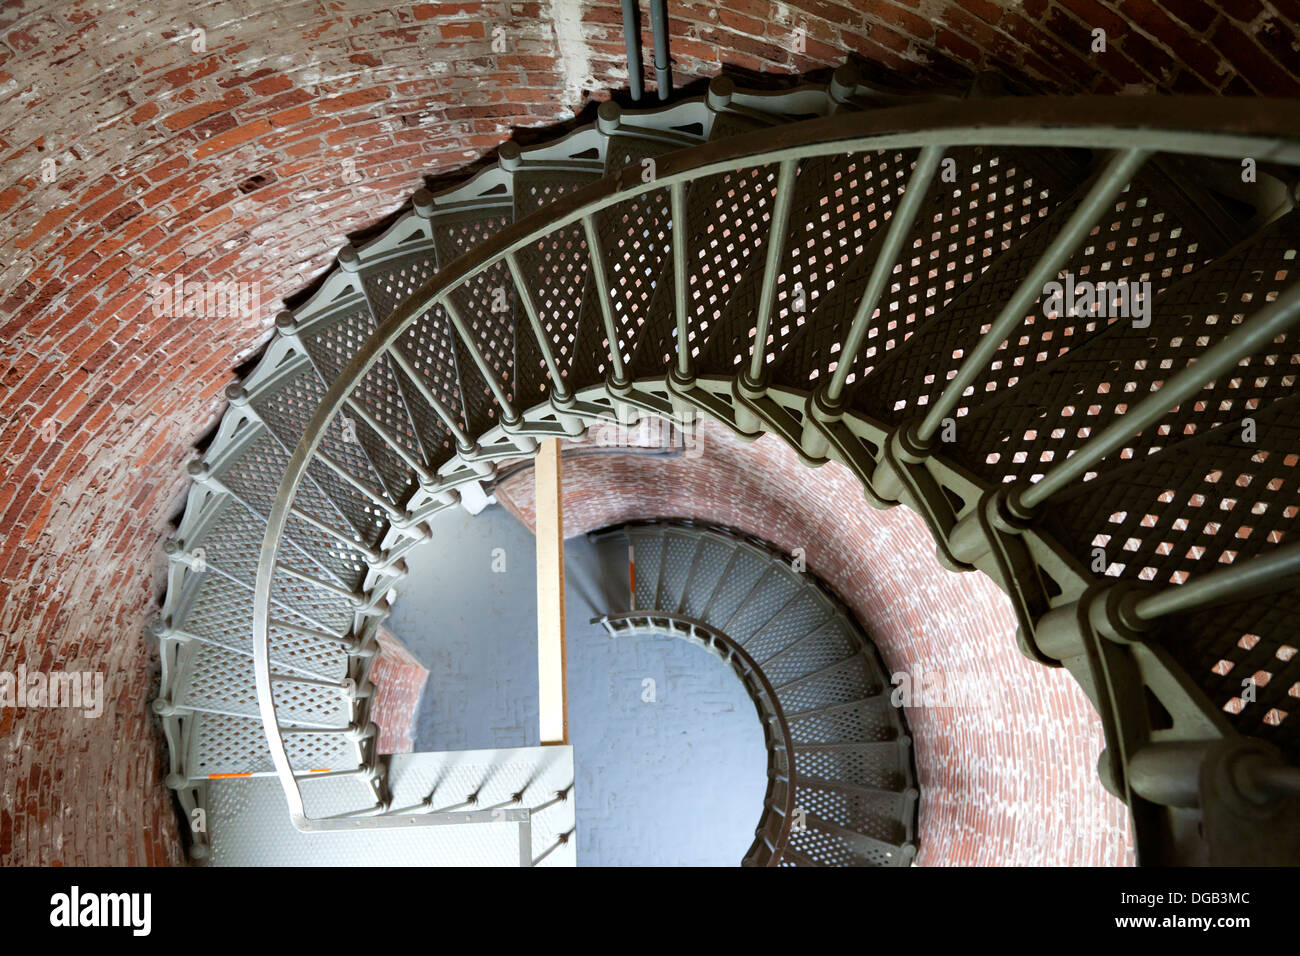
899 226
371 555
1222 584
597 256
558 385
369 494
463 440
415 464
776 236
678 198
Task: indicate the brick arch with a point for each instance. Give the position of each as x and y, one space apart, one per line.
230 164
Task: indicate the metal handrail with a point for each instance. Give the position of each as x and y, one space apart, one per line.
1263 129
764 698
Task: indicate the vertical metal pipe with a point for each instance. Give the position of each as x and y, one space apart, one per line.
632 39
663 69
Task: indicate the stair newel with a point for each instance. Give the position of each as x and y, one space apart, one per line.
843 85
721 89
1018 504
350 264
561 397
422 204
912 442
751 384
827 405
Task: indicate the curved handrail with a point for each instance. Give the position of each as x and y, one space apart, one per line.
679 625
1259 128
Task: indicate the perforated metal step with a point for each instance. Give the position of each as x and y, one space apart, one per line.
250 824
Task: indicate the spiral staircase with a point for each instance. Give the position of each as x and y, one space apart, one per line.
839 756
861 274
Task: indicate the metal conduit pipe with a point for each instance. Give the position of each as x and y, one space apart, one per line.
632 39
663 69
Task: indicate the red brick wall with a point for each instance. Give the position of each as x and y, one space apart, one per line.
1183 46
1009 783
399 680
230 165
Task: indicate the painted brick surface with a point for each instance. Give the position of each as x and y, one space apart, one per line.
128 157
1008 778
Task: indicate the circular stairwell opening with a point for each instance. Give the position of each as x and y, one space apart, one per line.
670 760
790 748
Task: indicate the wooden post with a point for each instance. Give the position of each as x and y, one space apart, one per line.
553 698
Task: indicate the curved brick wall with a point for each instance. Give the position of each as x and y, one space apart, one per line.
1007 778
253 161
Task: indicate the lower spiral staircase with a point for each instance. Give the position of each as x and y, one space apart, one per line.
839 757
864 275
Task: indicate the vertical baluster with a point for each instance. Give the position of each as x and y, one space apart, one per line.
1021 502
561 397
828 405
751 384
509 417
680 281
914 441
618 375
